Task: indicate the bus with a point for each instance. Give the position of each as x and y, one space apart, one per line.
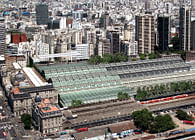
82 129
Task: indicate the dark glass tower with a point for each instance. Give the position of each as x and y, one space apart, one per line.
193 35
42 14
163 33
185 28
2 37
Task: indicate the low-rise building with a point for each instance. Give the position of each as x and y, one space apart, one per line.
47 117
20 99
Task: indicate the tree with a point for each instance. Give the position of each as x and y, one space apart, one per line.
133 59
141 94
76 102
182 115
153 56
49 80
122 95
162 124
143 56
94 59
107 58
27 120
142 119
43 73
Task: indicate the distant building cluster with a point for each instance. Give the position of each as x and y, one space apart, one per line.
40 38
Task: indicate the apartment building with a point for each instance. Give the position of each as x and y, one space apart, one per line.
185 28
2 36
145 33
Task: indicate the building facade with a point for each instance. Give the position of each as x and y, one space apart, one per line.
2 37
47 117
193 35
145 33
163 27
114 41
20 99
184 28
42 14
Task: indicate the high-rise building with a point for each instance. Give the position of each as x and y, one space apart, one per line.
145 33
2 37
114 41
104 20
193 3
147 5
103 46
42 14
185 28
163 27
193 35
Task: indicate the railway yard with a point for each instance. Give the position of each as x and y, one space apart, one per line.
117 111
104 113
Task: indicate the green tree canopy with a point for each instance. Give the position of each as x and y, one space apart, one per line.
76 102
108 58
162 124
27 120
153 56
94 59
142 119
182 115
141 94
143 56
122 95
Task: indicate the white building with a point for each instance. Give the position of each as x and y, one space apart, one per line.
83 49
63 23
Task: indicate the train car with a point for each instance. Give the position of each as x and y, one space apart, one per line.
82 129
157 100
143 102
175 132
181 96
164 99
188 122
167 98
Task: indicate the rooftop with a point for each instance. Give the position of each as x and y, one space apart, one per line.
16 90
94 83
45 106
34 77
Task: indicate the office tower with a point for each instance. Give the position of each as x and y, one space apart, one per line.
104 21
114 41
145 34
42 14
147 5
103 46
184 28
2 37
193 3
163 27
193 35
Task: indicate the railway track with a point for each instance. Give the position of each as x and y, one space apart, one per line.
172 104
106 113
91 108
